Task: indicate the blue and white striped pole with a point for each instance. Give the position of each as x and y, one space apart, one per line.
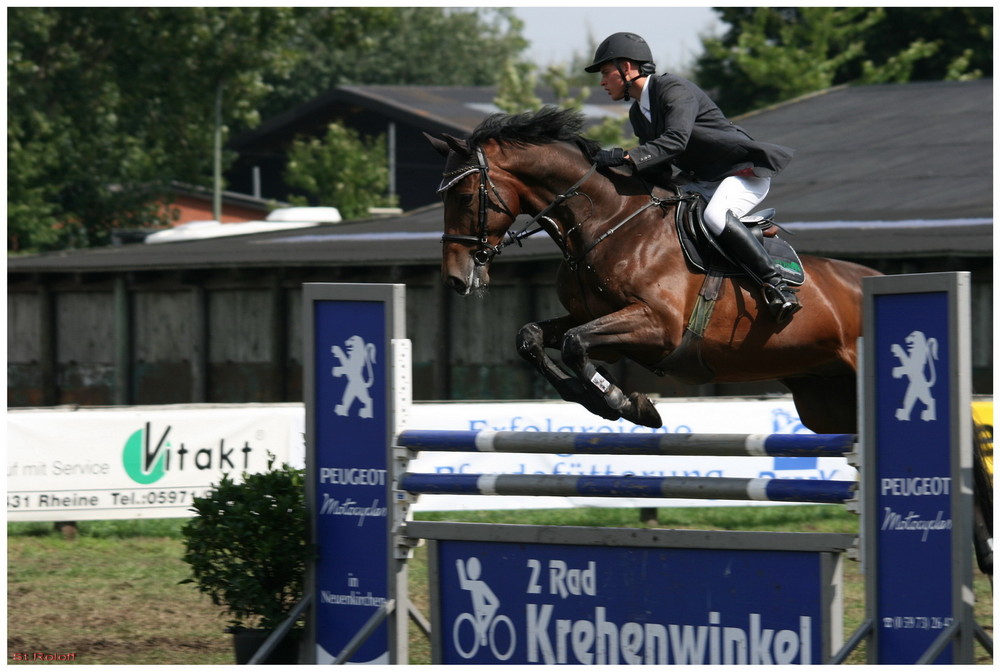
603 443
562 485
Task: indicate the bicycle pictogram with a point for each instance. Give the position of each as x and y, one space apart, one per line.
483 621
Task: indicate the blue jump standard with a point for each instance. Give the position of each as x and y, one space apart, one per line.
561 485
603 443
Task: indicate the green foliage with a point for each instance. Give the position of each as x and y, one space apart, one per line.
516 90
516 93
248 547
560 81
108 106
610 132
342 169
429 46
773 54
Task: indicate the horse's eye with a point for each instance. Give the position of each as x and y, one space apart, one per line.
466 199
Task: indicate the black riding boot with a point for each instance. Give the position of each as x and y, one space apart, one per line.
743 248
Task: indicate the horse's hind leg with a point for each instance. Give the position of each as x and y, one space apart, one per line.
826 404
532 340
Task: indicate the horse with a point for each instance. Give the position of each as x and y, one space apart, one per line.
628 289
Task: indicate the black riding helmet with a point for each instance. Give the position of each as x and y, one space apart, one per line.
628 46
621 45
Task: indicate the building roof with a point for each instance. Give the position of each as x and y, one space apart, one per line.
435 109
887 152
886 170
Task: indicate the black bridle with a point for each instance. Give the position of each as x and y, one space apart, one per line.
486 252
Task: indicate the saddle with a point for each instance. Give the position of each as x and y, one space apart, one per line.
702 252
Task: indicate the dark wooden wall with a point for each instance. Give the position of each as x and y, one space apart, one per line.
226 336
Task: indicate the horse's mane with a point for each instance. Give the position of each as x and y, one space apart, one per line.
544 126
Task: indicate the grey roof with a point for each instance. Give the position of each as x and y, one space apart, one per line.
413 238
887 152
436 109
885 170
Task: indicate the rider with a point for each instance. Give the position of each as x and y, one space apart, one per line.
678 124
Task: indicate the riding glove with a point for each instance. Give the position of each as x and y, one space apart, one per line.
610 157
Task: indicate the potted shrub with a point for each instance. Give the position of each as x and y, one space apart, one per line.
247 549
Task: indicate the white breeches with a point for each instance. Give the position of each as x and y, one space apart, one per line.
739 194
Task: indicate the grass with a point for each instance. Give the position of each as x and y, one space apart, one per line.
111 596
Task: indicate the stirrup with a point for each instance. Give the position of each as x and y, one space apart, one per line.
781 301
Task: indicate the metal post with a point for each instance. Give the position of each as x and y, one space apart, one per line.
388 607
217 158
280 632
391 147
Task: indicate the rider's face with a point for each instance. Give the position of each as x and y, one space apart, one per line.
611 80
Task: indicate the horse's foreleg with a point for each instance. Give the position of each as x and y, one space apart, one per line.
533 339
620 331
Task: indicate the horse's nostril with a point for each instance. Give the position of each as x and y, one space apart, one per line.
456 283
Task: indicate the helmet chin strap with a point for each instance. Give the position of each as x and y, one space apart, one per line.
628 82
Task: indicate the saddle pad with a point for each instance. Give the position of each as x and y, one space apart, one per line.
702 254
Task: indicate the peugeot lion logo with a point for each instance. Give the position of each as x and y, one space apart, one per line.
356 365
917 364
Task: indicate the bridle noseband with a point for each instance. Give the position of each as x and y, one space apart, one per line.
486 252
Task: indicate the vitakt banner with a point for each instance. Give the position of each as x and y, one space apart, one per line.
138 462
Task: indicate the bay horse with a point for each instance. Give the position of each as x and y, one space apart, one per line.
627 287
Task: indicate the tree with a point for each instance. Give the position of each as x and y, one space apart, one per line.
339 170
108 106
429 46
516 93
954 43
774 54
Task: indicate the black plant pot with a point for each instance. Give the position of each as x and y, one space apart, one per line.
246 641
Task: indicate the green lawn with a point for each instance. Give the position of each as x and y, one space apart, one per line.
112 596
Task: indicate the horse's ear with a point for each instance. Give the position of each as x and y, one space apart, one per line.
458 146
438 144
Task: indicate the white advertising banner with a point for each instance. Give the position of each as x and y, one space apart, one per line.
775 415
149 462
138 461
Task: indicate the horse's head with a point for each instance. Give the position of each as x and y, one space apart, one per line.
484 186
480 204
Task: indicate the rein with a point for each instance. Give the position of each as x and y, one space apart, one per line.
654 202
486 252
556 202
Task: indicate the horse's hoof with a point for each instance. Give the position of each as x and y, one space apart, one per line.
641 411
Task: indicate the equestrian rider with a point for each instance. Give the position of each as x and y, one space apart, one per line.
678 125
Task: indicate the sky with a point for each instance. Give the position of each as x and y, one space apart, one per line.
673 33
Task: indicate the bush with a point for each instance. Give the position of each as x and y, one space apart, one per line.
249 545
